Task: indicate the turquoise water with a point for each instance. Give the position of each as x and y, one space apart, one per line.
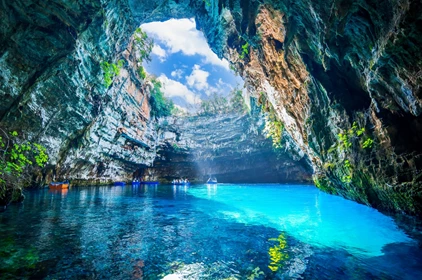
307 214
200 232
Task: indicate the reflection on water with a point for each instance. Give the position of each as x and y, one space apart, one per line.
206 232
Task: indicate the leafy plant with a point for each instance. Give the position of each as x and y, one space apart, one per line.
354 132
367 144
142 44
278 253
141 72
344 140
347 164
346 179
110 70
245 50
16 161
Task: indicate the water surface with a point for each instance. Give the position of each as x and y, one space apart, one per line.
200 232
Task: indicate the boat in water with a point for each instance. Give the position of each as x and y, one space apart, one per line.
181 184
59 185
119 184
212 180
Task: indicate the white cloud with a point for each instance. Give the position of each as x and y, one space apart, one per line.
181 35
173 88
198 78
160 52
177 73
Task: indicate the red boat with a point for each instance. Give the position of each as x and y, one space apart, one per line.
58 185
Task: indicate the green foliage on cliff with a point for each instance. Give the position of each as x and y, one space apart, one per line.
110 70
245 50
354 132
160 105
141 72
16 161
143 45
273 126
324 184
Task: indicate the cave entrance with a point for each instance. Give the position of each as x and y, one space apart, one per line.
212 131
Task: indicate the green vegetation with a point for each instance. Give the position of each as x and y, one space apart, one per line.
367 144
141 72
110 70
354 133
245 50
273 126
142 44
218 104
16 163
278 253
324 184
160 106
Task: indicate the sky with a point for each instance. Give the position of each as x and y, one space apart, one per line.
184 63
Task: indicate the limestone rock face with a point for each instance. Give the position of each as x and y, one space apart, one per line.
343 76
233 148
52 87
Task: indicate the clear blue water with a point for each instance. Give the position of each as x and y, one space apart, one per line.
200 232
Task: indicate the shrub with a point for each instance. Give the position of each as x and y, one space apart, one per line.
17 164
142 73
110 70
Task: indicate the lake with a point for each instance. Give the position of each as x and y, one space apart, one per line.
224 231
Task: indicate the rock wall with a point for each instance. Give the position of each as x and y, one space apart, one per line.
327 69
233 148
344 78
53 91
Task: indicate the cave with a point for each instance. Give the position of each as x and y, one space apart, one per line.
336 87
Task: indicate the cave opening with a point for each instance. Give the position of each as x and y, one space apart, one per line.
207 134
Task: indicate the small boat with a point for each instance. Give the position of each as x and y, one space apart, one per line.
182 184
119 184
59 185
212 180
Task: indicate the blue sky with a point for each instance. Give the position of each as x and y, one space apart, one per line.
185 64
